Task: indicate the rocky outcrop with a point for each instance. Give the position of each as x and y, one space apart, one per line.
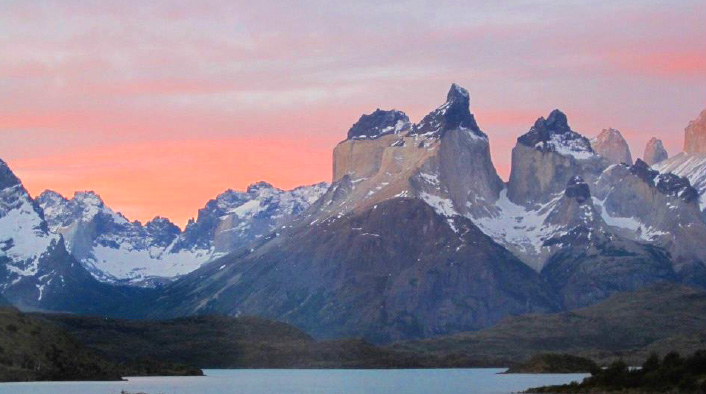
575 208
611 145
654 152
547 157
695 135
453 115
379 123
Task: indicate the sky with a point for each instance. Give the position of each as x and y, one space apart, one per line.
159 106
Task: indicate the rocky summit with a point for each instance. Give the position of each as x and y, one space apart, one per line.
378 124
611 145
546 157
695 135
691 163
654 152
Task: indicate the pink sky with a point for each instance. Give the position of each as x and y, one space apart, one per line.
160 107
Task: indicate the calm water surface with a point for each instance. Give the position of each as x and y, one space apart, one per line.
436 381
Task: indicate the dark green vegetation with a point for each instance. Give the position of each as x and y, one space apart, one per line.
626 326
555 363
672 374
31 349
228 342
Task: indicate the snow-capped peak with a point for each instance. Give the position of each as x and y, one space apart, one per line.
554 134
379 123
454 114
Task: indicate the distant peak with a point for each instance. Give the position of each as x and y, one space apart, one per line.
611 145
454 114
260 186
695 135
379 123
655 152
159 219
7 177
88 197
557 122
50 195
610 132
457 93
554 134
162 223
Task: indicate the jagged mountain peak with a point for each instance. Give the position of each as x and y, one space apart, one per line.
454 114
612 146
655 152
458 94
667 183
51 195
611 132
695 135
7 177
259 186
554 134
557 122
379 123
546 157
89 198
161 222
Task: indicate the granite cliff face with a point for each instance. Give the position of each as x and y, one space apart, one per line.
445 160
695 135
388 252
654 152
547 157
612 146
417 235
692 162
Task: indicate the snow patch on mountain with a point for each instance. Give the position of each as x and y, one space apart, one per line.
565 144
23 234
115 250
520 229
632 224
691 166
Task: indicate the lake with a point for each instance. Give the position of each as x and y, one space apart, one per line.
266 381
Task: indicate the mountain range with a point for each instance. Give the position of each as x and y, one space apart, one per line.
116 250
416 236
